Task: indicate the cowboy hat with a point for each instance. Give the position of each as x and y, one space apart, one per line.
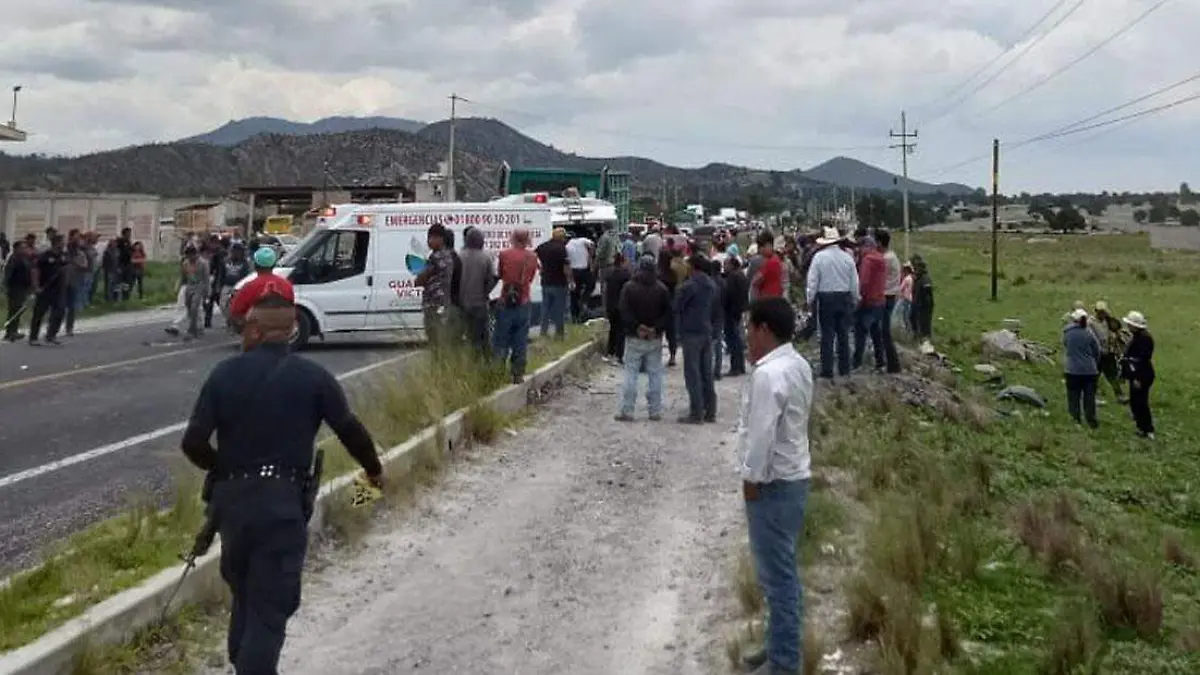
830 236
1135 319
1100 306
1078 315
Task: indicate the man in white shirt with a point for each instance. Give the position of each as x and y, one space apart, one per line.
891 292
773 447
833 287
579 255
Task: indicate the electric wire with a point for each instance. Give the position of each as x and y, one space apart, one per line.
1101 45
1024 36
1020 54
1072 129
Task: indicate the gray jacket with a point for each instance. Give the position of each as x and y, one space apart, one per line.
1081 351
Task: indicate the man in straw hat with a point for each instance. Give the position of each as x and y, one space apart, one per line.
1137 366
833 287
1112 336
265 407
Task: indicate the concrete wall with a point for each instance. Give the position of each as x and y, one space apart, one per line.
105 214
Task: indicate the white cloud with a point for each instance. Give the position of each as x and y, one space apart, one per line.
766 83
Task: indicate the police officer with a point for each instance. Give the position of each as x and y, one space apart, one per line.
266 406
50 291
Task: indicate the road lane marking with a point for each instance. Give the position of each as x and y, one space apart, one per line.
105 366
13 479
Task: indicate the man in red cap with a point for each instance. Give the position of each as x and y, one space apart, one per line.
266 282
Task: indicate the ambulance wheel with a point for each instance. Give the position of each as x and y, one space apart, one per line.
303 330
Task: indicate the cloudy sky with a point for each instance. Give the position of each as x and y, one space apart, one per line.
766 83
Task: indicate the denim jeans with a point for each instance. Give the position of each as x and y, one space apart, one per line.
511 340
891 356
776 524
835 311
868 322
475 323
718 348
698 375
554 308
735 344
641 354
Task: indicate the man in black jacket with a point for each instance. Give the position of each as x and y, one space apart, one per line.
18 283
614 281
645 309
736 298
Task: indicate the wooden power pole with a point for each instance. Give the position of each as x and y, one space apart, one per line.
906 149
995 215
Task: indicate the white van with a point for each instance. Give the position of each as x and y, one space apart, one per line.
356 270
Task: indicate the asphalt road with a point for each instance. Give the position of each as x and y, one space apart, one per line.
88 427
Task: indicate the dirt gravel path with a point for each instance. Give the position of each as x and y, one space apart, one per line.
577 545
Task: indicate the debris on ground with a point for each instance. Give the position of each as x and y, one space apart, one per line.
1022 394
1007 344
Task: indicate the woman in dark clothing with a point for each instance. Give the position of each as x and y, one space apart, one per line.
1137 366
922 302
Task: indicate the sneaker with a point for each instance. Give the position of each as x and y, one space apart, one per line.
710 419
688 419
53 341
623 417
656 417
754 660
518 379
33 342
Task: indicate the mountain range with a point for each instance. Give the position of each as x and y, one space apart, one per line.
376 150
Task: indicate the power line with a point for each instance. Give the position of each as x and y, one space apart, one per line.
681 141
1024 36
1076 128
1116 120
1103 43
1017 57
1127 104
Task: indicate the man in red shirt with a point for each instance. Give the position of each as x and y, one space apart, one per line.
769 280
871 313
265 283
516 267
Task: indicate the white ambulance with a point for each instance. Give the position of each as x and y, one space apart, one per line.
356 271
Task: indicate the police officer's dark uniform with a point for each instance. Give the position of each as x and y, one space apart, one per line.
266 406
51 286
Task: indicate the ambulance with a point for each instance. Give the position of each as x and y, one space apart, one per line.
356 271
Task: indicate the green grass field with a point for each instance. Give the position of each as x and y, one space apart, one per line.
158 289
1026 543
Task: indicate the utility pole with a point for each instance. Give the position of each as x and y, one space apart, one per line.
325 183
995 214
906 149
16 90
450 187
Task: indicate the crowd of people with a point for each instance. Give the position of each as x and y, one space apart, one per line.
58 278
1119 350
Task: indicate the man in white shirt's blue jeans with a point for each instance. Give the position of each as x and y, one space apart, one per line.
773 446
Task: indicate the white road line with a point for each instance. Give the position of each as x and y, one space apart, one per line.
13 479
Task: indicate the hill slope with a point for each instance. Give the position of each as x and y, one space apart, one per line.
849 172
237 131
376 155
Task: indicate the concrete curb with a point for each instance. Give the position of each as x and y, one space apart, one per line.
118 618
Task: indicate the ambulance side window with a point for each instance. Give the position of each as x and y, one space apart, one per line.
342 255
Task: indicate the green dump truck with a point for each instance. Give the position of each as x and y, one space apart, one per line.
611 186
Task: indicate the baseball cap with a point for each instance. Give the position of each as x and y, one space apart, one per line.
265 257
